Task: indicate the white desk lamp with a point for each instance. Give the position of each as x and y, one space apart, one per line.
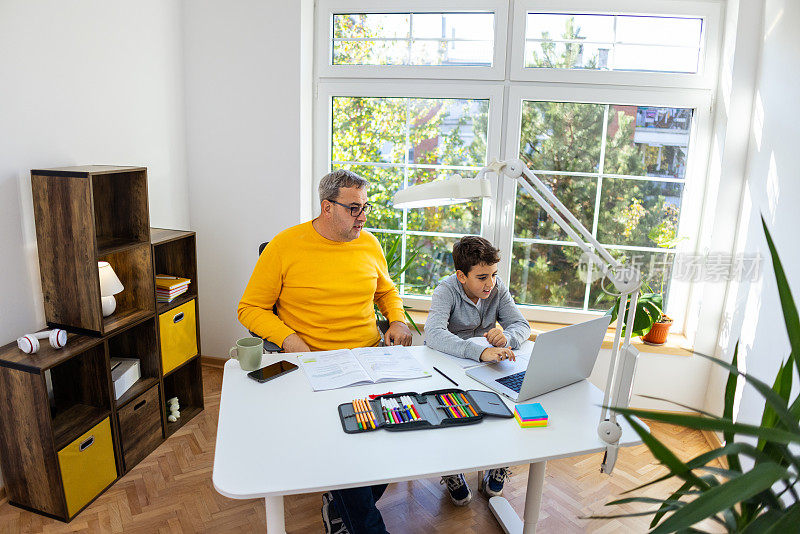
109 286
627 280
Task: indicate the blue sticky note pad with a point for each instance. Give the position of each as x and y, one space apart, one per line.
531 411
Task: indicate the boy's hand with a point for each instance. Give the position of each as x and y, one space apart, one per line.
495 337
497 354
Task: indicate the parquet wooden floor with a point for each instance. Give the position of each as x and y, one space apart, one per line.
171 491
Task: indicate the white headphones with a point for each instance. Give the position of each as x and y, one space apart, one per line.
29 343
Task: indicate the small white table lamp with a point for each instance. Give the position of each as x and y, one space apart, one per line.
109 286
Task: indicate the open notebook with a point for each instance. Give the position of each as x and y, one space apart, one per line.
333 369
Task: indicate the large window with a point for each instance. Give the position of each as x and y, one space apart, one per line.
620 170
612 42
397 142
413 39
610 108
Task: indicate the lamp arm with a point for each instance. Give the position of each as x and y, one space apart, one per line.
627 280
586 235
604 265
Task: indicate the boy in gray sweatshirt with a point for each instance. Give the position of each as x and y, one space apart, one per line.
468 304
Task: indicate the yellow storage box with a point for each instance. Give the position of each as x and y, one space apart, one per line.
87 466
178 330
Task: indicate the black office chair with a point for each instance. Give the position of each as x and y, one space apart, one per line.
269 346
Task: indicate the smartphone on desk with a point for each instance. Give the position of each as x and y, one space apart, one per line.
265 374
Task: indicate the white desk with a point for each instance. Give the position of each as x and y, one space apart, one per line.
281 438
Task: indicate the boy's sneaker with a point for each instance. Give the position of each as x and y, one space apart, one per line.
330 516
458 489
493 480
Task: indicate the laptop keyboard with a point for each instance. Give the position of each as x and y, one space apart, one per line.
513 382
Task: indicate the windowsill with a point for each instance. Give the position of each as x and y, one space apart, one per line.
676 345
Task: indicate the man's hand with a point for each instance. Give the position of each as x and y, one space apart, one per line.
495 337
398 334
293 343
497 354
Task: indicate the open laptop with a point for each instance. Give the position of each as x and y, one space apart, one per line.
559 358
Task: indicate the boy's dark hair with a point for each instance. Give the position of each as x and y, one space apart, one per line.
472 250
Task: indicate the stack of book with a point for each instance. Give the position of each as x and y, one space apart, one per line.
530 415
169 287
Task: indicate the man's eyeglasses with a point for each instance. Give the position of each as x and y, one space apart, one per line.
355 211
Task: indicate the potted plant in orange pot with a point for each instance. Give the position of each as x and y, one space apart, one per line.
659 330
650 323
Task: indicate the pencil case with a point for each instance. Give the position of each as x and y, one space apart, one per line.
432 409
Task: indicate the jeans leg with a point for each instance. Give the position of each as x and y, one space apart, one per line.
358 510
377 491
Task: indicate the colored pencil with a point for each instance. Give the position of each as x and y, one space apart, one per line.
370 415
457 405
452 409
452 404
358 415
363 413
462 406
469 405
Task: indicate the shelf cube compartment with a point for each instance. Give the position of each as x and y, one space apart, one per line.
137 342
186 383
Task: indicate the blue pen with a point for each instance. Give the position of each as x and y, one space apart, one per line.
401 412
406 402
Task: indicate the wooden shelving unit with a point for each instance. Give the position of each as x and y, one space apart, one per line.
64 437
102 215
174 253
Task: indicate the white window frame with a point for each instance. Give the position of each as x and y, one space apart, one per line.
705 78
691 204
324 46
507 83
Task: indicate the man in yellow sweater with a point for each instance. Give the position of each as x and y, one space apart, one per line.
323 277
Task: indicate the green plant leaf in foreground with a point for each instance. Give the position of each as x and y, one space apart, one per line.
774 400
727 413
775 523
703 459
722 497
707 423
665 456
790 315
741 500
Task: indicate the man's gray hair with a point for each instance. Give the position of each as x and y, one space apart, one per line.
333 181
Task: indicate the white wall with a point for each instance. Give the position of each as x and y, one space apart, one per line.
677 378
772 189
83 82
247 95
